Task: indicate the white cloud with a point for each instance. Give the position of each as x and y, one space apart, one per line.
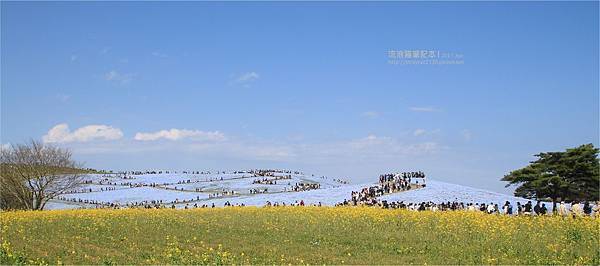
245 79
63 97
61 133
115 76
218 150
423 109
370 114
369 141
423 148
259 151
178 134
373 147
159 54
371 137
105 50
419 132
249 76
466 135
73 58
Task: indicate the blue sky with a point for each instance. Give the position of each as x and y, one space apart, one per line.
302 85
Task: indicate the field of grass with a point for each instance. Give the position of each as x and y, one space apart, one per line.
293 235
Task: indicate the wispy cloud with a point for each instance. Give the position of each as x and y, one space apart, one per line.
105 50
63 97
61 133
371 147
73 58
371 114
256 151
423 109
245 79
192 143
375 147
159 54
178 134
419 132
122 78
215 145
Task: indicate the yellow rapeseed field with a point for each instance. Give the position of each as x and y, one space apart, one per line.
293 235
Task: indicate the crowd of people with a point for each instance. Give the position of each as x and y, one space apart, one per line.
575 209
305 186
90 190
296 203
123 180
257 172
341 181
271 181
368 196
397 177
221 194
107 181
132 204
272 172
259 190
337 180
388 183
195 205
578 208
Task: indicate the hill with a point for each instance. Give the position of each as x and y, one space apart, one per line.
242 188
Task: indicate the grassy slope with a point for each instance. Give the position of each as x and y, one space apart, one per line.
295 235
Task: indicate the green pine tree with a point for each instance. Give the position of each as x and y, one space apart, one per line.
572 175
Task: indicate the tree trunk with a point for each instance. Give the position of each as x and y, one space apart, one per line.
44 204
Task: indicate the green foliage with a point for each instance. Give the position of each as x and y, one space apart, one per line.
8 257
570 175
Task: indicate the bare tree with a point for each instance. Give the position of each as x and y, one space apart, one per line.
32 174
